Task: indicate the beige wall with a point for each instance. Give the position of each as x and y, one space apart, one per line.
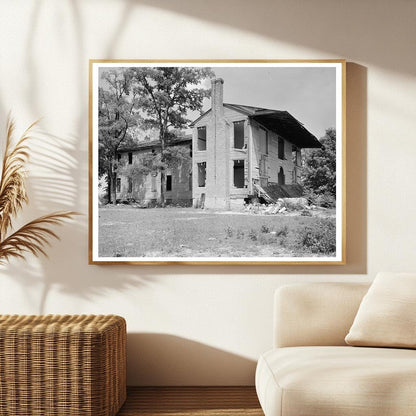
205 325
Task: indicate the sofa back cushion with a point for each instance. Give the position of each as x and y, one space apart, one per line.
315 313
387 314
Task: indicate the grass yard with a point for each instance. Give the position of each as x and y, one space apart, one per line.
187 232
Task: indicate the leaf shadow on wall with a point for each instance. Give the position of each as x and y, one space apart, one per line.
370 33
58 180
53 157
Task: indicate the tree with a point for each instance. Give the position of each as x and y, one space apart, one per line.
117 99
319 171
165 95
152 98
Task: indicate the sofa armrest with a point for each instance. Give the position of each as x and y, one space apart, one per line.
315 313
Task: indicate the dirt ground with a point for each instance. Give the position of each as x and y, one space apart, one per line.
125 231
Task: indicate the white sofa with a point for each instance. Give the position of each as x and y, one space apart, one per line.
311 370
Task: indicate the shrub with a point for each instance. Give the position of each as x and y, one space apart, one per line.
325 200
282 232
265 229
252 235
319 237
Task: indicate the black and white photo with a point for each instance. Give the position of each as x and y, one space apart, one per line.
217 162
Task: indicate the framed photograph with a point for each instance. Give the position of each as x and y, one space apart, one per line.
217 162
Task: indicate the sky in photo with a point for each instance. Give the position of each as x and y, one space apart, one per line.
309 94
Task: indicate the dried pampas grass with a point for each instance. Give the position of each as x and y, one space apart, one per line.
34 236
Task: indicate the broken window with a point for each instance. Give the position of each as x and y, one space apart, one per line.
238 134
130 158
202 174
281 176
263 141
118 184
296 159
281 148
239 173
168 182
130 186
202 138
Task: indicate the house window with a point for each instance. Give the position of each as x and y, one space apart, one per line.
130 186
202 138
190 181
281 148
239 173
264 141
130 158
202 174
168 182
281 176
118 157
118 184
238 134
294 154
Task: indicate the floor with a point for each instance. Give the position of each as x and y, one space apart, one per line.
195 401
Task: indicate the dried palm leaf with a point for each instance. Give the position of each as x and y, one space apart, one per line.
33 237
12 182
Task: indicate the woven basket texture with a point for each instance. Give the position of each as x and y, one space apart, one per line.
62 365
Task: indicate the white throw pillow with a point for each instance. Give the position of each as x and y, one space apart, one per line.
387 314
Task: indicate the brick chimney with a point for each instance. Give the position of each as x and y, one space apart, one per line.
217 96
218 152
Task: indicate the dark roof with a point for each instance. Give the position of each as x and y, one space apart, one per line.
156 143
281 122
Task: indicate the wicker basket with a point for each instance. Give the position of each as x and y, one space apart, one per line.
72 365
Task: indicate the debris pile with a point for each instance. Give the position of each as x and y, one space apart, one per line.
282 206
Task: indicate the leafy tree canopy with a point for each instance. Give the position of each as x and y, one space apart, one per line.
319 170
149 98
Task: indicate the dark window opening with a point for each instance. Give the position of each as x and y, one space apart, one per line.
239 173
118 157
190 151
190 181
202 174
130 158
238 134
281 177
130 186
118 185
202 138
168 182
281 148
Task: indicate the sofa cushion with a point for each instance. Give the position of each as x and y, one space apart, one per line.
387 314
342 381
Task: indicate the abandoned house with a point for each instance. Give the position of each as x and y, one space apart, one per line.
240 152
145 188
237 152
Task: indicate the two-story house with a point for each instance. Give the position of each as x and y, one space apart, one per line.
239 149
145 187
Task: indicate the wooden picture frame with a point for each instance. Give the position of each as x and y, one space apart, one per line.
257 177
